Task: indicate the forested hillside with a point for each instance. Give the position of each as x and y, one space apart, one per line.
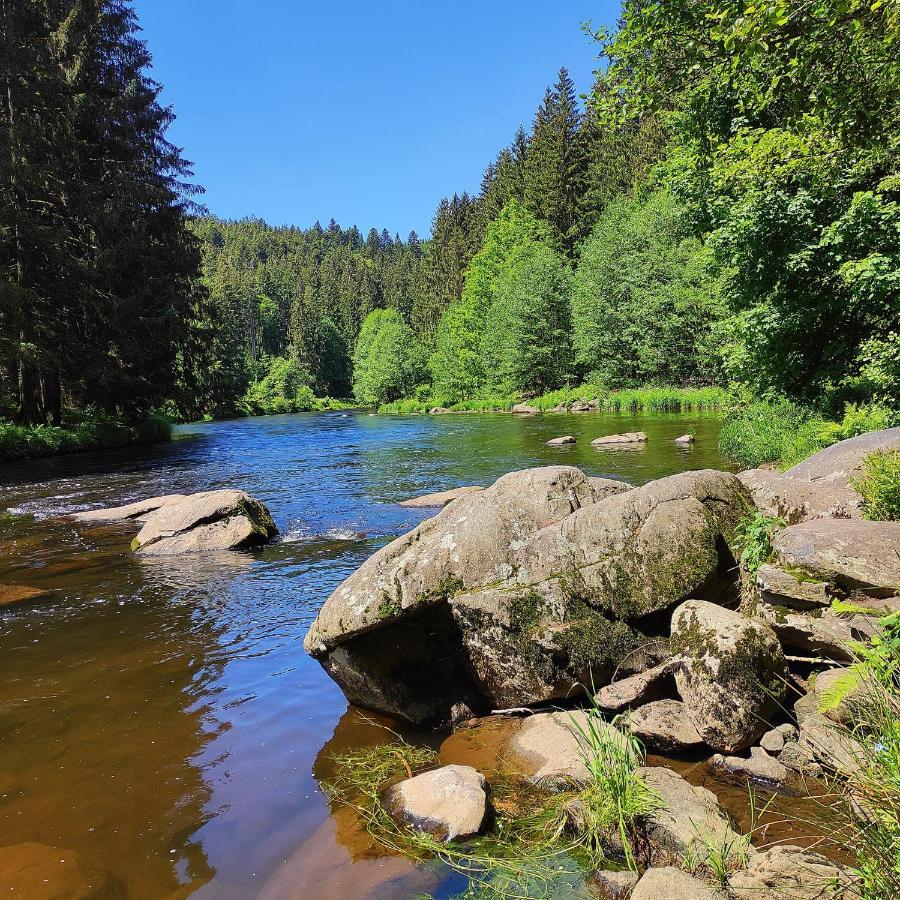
722 207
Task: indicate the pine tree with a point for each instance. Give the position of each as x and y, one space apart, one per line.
554 165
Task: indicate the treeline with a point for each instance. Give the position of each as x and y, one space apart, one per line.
99 294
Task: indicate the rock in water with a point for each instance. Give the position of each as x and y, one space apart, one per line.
760 768
669 883
559 441
211 520
733 674
526 409
39 872
447 803
139 510
837 464
685 439
795 873
629 437
20 593
798 501
522 592
665 726
615 885
439 498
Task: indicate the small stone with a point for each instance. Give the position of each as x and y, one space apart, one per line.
772 742
669 883
760 767
447 803
685 439
788 731
559 441
615 885
630 437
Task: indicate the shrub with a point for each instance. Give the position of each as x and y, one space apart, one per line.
879 486
754 536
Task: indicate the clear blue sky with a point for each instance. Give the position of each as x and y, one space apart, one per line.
297 110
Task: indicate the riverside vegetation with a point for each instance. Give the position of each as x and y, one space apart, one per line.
722 210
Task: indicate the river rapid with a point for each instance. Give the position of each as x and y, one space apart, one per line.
159 715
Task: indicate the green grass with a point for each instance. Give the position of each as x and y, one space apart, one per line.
649 399
83 431
781 432
879 486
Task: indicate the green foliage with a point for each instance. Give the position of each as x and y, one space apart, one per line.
754 535
645 299
525 345
387 360
282 389
879 486
80 432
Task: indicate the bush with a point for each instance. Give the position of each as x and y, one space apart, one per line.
388 361
879 486
283 389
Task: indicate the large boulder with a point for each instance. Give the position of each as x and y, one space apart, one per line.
447 803
211 520
40 872
733 674
138 510
792 873
838 464
523 592
798 501
854 555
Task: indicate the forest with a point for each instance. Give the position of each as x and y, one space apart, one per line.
722 207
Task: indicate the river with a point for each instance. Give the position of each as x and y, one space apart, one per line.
159 715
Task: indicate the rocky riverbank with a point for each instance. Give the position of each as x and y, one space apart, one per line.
551 589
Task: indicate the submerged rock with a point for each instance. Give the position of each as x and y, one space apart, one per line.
40 872
733 673
688 819
837 464
447 803
211 520
439 498
20 593
799 501
669 883
855 554
629 437
795 873
760 767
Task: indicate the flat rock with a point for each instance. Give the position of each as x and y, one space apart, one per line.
773 742
615 885
438 411
685 439
550 748
850 553
447 803
669 883
760 767
439 498
689 816
629 437
840 462
636 689
733 673
826 635
787 589
20 593
793 500
526 409
559 441
138 510
665 726
35 871
792 873
210 520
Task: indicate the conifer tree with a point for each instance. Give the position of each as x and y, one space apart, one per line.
554 164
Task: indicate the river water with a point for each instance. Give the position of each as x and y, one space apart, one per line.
159 715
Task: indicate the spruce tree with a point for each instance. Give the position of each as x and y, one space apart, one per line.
555 164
